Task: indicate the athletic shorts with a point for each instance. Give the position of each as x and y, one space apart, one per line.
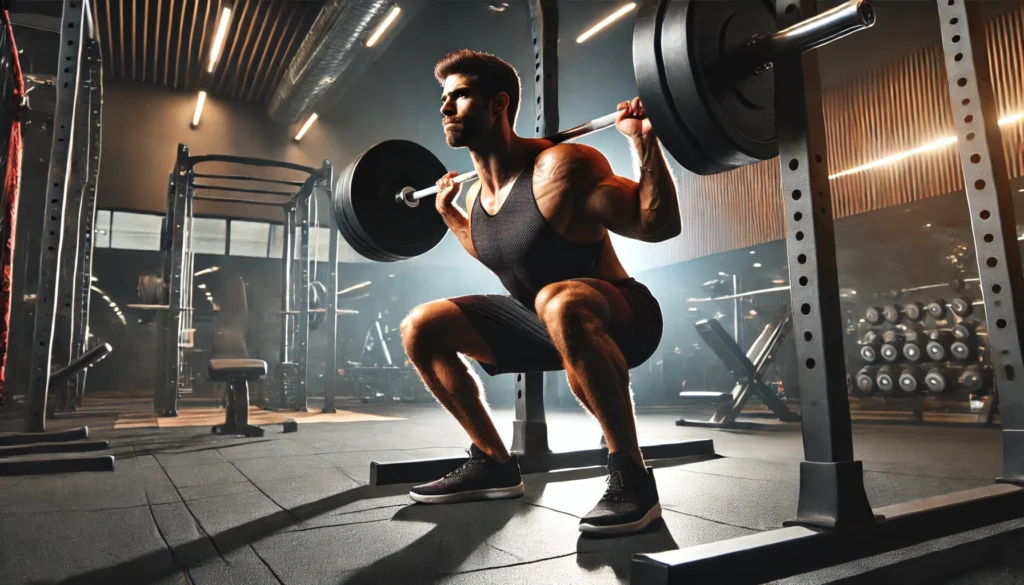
520 343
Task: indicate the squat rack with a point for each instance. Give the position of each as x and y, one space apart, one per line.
176 317
834 522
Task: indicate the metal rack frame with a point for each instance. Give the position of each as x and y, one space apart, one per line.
834 521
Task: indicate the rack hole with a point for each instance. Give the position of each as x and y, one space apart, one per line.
989 237
962 81
970 136
796 195
1001 323
996 288
1010 374
805 309
802 258
808 336
958 57
803 281
975 158
810 363
799 236
793 163
956 38
992 262
798 216
968 118
985 214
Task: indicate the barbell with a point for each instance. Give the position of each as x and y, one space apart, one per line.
704 75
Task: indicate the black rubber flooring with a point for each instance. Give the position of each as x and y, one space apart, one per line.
186 507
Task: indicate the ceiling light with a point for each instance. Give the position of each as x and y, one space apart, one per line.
309 122
207 270
752 312
752 252
498 7
757 264
604 23
940 143
354 287
94 279
218 40
199 108
778 281
383 26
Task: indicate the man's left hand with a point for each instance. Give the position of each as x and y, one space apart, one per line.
632 121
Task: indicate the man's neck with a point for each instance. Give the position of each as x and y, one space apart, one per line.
499 161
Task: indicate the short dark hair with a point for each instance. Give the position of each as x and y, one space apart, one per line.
492 75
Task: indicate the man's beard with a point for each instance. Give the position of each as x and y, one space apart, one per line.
464 131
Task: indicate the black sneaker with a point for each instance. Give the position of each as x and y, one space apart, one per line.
629 504
480 478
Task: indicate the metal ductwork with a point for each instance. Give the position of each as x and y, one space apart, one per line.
334 54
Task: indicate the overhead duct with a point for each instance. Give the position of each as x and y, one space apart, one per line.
335 49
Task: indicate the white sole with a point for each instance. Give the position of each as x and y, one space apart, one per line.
471 496
651 515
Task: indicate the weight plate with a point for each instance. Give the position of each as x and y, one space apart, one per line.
961 332
369 217
884 381
960 350
865 383
728 107
972 380
890 352
908 382
914 311
892 313
912 352
961 307
937 308
653 89
935 351
867 353
890 336
873 315
935 381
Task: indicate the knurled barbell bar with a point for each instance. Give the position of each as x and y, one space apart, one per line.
703 72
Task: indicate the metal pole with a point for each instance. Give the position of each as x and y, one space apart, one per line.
831 483
287 249
86 234
332 295
178 235
302 347
71 33
990 200
163 354
736 310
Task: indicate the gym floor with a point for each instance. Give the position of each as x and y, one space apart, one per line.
187 507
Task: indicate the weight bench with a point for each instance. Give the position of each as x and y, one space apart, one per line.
230 363
747 369
530 443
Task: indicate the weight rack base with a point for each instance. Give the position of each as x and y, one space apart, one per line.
424 470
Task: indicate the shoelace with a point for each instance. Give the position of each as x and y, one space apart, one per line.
616 491
471 462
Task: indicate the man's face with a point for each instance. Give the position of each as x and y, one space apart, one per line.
464 114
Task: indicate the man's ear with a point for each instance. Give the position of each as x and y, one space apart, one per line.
500 103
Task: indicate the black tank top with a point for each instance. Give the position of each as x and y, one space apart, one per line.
523 250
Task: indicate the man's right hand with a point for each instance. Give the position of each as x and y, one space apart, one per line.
449 190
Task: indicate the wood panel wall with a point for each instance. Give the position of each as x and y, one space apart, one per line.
896 108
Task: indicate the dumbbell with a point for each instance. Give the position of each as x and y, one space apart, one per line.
893 313
961 307
965 330
913 341
865 380
936 381
892 346
973 379
914 311
885 379
938 346
870 346
874 315
911 379
936 308
961 351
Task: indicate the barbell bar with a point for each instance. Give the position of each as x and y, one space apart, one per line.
706 88
761 51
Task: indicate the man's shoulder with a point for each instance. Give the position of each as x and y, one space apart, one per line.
568 159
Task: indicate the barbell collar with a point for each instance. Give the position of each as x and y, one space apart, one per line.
814 32
411 198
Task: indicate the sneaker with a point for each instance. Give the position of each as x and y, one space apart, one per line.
479 478
629 504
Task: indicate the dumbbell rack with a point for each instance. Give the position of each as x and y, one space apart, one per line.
902 341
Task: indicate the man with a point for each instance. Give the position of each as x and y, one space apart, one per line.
539 218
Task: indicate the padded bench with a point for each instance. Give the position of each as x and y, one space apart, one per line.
238 372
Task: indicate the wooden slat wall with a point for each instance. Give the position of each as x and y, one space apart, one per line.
896 108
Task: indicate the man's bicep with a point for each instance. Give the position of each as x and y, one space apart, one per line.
614 202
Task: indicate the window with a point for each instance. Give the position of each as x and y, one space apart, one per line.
209 236
135 231
101 229
276 240
249 238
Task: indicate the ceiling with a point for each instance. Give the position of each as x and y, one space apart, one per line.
167 43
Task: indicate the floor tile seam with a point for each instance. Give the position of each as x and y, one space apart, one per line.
712 520
195 519
519 564
265 563
266 495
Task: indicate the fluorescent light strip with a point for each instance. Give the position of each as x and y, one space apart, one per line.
218 40
936 145
354 287
604 23
309 122
199 108
383 26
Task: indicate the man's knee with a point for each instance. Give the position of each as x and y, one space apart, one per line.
565 307
421 330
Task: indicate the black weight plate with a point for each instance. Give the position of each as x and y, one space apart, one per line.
892 313
344 226
865 381
884 381
937 308
891 352
653 89
867 353
960 350
912 352
367 190
972 380
936 351
908 382
935 381
725 105
961 332
914 311
961 307
873 315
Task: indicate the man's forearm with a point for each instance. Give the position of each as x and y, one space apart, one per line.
458 223
659 207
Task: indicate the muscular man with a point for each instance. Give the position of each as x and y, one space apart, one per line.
539 218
